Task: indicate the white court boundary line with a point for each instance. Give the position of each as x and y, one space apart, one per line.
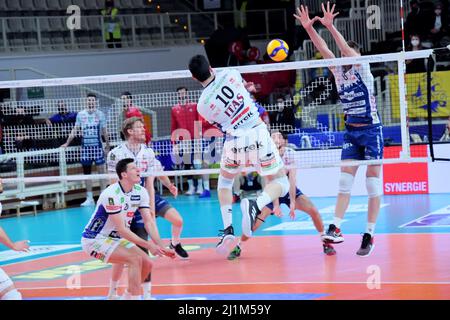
254 283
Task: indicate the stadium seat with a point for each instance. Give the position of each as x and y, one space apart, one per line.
16 44
79 3
40 5
44 24
29 25
26 5
14 25
13 5
57 24
3 7
60 5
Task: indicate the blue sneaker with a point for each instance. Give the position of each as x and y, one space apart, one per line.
205 194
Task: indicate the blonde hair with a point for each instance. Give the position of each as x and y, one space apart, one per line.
128 124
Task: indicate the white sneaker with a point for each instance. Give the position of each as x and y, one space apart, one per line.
190 192
199 190
89 202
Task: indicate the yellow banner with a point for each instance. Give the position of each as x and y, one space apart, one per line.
416 94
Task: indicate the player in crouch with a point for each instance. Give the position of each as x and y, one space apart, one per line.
226 102
295 199
107 236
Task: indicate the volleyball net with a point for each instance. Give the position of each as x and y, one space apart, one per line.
300 98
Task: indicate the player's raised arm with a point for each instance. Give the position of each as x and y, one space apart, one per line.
303 17
327 20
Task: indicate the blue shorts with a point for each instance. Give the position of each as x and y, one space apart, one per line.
161 207
286 199
363 143
92 154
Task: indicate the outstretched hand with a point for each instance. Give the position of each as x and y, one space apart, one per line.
328 15
303 17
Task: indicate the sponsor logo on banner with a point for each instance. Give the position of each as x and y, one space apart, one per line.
405 178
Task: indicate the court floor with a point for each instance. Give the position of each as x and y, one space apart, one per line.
284 260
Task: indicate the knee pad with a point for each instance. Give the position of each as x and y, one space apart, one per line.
224 183
284 183
345 182
373 185
12 295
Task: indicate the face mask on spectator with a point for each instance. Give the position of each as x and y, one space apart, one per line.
438 12
415 42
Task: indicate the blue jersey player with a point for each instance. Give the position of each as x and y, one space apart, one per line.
92 125
363 139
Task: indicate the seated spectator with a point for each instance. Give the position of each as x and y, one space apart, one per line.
415 20
415 65
130 110
446 135
283 119
438 27
22 139
63 115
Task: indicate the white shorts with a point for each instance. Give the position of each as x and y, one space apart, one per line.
102 248
255 149
5 281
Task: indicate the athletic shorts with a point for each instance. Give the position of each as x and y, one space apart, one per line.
361 143
286 199
92 154
5 281
255 149
161 208
102 248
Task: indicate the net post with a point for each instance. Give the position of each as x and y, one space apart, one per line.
406 150
430 67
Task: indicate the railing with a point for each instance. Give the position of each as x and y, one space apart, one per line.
51 32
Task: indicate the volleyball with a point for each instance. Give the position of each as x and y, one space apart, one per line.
278 50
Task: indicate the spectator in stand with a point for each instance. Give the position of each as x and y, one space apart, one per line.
63 115
23 140
130 110
112 32
446 135
415 20
283 119
415 65
438 27
185 128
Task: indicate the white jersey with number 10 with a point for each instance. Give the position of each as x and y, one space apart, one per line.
227 103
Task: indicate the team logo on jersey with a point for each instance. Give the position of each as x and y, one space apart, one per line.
135 198
112 156
111 201
126 207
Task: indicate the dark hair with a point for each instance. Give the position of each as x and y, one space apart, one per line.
122 165
199 67
355 46
181 88
91 95
128 94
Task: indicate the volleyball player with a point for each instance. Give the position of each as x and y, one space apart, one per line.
363 138
226 102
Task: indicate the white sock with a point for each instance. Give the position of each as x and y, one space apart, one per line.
263 200
199 184
191 184
227 215
337 222
370 228
147 288
206 183
113 287
176 233
89 195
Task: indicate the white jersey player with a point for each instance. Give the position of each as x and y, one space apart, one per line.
7 289
226 102
107 236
